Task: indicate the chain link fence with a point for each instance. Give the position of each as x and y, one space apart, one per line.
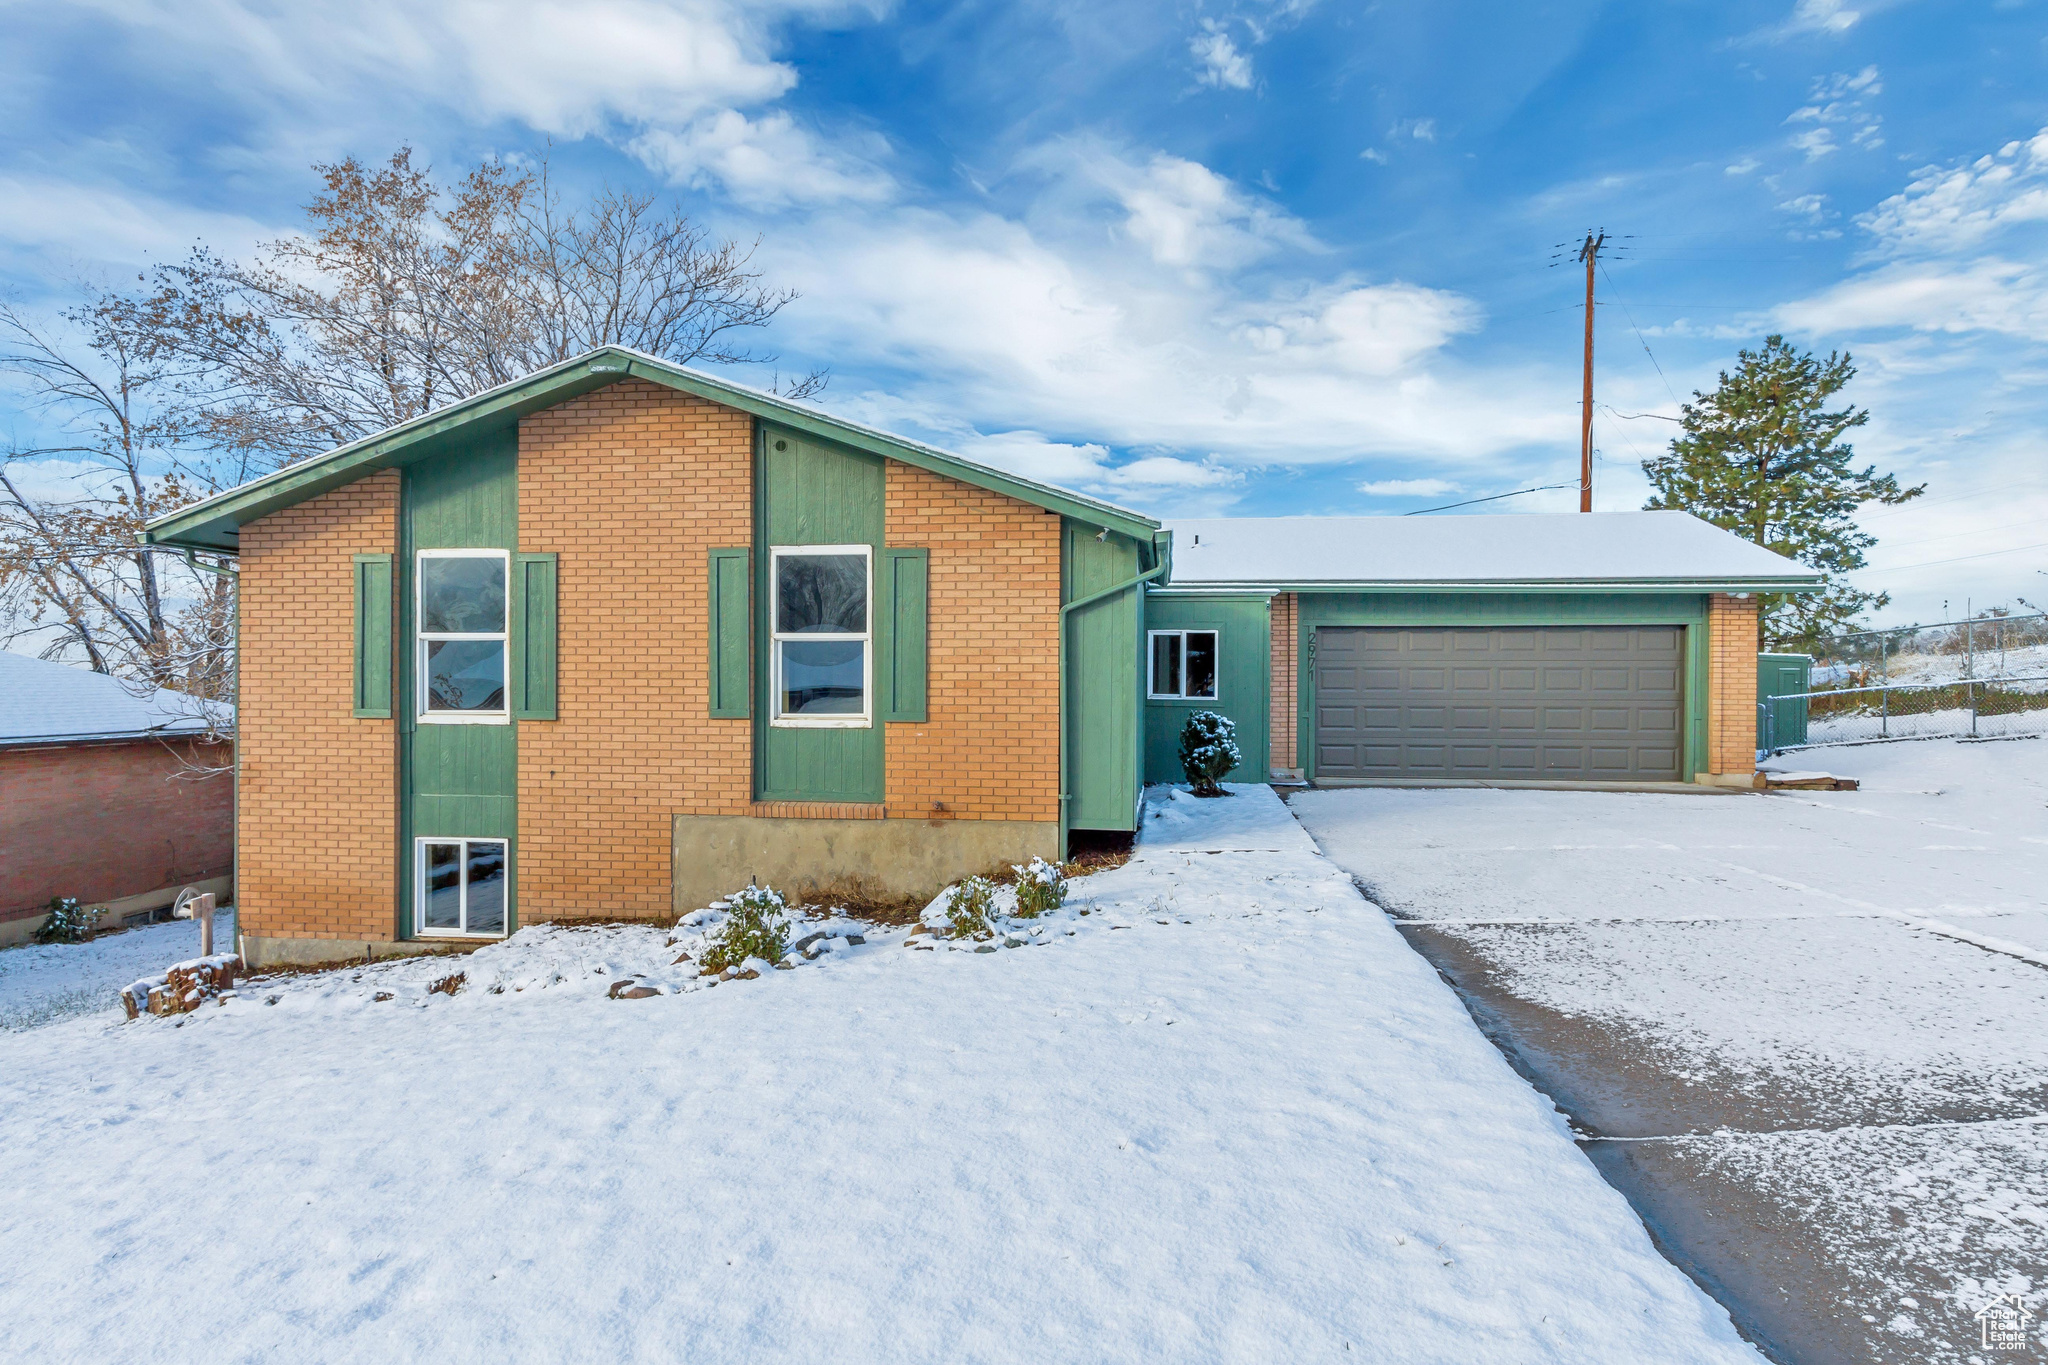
1984 678
1978 708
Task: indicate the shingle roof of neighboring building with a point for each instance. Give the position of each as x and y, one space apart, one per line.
1619 550
43 702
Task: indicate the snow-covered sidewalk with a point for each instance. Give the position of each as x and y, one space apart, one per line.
1226 1114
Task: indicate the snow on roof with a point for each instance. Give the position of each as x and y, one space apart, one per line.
40 700
1674 549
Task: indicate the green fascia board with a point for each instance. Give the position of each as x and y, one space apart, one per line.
215 523
1788 584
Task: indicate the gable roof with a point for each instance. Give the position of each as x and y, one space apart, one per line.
215 524
47 703
1608 551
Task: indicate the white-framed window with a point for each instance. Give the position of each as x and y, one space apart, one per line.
821 654
1183 665
460 888
459 616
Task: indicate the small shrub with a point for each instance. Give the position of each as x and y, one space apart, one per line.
69 922
967 909
1208 749
756 925
1041 889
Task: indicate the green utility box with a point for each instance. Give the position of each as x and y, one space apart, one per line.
1782 723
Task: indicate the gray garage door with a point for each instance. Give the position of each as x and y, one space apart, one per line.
1551 704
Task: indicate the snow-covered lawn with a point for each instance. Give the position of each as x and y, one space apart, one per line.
41 983
1824 1011
1227 1114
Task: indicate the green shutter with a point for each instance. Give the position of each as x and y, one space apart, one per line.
900 643
533 637
731 571
373 637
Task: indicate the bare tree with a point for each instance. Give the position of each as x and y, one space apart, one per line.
407 296
75 580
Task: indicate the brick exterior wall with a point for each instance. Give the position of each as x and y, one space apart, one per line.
1285 693
102 822
319 788
990 748
632 486
1731 683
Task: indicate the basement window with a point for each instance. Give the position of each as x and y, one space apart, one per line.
820 664
461 888
460 615
1183 665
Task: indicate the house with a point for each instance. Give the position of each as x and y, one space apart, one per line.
116 799
617 637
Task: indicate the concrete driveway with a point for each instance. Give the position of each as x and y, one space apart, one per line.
1806 1033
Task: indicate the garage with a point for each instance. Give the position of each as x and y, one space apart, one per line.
1543 703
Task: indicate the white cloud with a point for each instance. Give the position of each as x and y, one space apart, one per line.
1044 323
1818 16
1419 129
1223 66
1742 167
1956 208
1374 155
762 163
1837 101
1809 206
71 226
1983 295
1180 211
1408 488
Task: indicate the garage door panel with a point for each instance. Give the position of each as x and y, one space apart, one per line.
1564 702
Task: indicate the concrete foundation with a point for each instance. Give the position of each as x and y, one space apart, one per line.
259 952
715 855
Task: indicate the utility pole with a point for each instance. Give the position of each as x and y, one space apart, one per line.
1589 252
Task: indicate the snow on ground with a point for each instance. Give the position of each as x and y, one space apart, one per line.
1225 1114
1868 963
42 983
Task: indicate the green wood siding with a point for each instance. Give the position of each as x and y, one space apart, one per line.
1104 686
1244 675
457 780
1688 610
373 637
813 492
900 643
731 571
533 665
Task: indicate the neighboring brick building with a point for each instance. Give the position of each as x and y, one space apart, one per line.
614 639
113 799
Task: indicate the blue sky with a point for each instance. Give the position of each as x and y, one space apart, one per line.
1204 258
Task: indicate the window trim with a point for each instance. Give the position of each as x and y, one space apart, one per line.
844 721
1152 692
421 638
419 885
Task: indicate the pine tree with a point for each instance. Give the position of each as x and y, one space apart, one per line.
1763 456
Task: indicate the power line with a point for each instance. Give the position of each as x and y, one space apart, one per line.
1495 498
1930 563
1615 290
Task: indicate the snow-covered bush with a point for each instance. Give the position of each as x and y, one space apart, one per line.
967 908
1208 749
69 922
756 925
1041 888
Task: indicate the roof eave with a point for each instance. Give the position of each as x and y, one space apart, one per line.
214 524
1412 585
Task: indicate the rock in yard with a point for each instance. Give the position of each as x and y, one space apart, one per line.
803 944
985 948
854 940
787 966
382 996
1013 943
634 991
750 974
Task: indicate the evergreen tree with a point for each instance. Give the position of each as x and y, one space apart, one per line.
1763 456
